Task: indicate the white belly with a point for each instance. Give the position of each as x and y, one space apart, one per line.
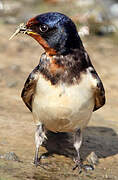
61 108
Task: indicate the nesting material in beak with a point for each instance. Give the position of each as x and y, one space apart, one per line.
21 29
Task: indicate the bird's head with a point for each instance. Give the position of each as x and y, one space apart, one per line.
55 32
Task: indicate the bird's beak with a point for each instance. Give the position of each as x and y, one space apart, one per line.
26 29
31 32
22 28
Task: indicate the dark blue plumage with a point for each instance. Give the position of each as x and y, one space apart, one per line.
61 35
51 18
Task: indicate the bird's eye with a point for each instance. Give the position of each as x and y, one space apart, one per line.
43 28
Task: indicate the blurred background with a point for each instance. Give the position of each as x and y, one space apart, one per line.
99 15
97 23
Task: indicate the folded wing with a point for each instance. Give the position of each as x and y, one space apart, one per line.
29 88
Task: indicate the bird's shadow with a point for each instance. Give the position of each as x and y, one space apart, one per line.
101 140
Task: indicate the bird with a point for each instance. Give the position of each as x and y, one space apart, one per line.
64 89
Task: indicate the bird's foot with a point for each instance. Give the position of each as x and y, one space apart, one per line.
37 162
42 165
81 166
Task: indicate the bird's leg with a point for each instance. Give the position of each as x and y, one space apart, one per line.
77 145
39 139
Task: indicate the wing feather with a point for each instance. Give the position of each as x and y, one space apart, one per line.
29 88
99 92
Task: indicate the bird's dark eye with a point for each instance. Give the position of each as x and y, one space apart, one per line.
43 28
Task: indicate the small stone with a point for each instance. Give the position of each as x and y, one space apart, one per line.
10 156
93 159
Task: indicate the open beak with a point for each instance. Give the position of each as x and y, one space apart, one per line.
22 28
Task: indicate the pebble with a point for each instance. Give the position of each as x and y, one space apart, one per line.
10 156
93 159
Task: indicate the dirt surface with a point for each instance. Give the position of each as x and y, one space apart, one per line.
17 59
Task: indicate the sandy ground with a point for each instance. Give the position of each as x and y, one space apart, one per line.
17 59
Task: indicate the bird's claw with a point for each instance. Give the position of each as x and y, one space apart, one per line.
81 166
37 162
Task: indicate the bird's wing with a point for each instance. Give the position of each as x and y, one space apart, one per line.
29 88
99 91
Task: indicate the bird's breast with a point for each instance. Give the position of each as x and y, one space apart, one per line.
61 107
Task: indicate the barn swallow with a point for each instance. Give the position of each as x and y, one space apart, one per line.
64 89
